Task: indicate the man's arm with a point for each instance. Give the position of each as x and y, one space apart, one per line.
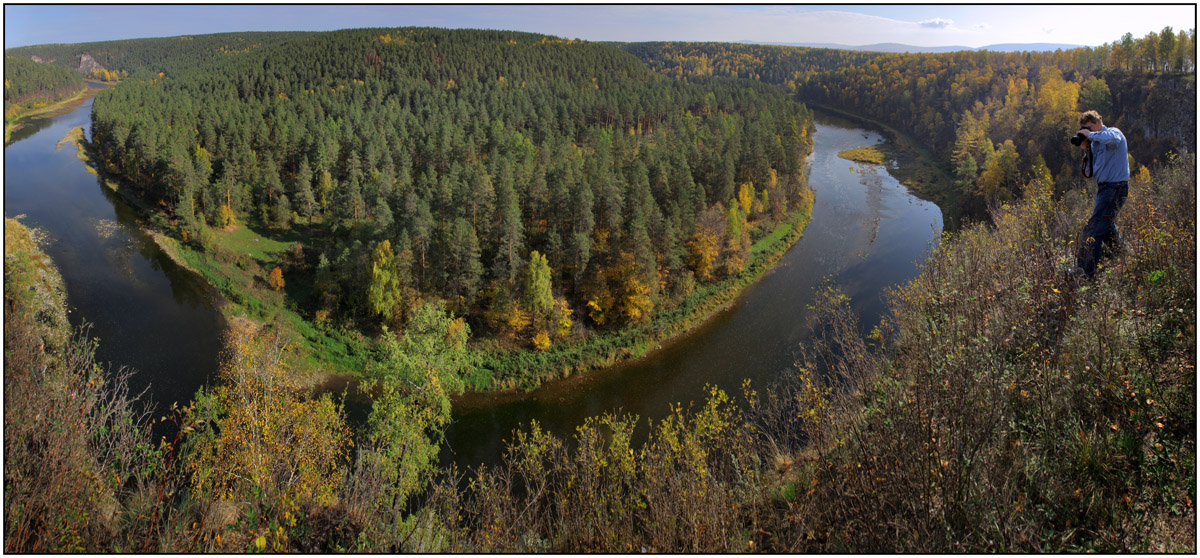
1106 136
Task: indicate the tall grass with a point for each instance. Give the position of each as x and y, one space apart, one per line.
1015 411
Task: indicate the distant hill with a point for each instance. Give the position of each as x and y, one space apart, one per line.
897 47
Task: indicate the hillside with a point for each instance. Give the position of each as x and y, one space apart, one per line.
995 119
29 83
898 47
146 57
1002 408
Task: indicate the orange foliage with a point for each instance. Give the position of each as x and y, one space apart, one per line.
276 278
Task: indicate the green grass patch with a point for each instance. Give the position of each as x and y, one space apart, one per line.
262 247
321 349
870 155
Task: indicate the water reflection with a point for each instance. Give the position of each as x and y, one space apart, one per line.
27 129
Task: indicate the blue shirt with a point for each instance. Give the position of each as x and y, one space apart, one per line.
1111 155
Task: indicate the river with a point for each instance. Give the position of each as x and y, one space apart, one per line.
147 312
867 233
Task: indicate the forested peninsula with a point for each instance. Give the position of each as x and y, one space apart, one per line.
441 210
566 202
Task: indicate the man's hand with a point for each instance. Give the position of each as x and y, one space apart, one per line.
1087 133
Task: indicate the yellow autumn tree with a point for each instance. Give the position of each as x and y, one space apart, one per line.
269 444
745 198
275 279
703 248
737 241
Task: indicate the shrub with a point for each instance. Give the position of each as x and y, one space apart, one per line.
275 280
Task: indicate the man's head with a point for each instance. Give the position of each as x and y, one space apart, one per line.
1091 120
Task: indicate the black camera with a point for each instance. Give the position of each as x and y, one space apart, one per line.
1078 138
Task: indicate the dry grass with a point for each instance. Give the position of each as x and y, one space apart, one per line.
1018 412
868 155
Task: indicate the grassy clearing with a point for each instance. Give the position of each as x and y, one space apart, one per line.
262 247
237 265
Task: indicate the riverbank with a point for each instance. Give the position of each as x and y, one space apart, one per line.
527 369
30 274
236 288
913 165
16 122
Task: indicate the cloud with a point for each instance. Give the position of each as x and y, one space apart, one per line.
981 26
1048 30
937 23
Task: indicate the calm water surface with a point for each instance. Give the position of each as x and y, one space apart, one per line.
148 313
867 233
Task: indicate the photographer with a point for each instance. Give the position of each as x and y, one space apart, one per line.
1106 161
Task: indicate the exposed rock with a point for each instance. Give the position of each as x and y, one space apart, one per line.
37 59
87 64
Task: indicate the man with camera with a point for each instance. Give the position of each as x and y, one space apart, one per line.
1106 161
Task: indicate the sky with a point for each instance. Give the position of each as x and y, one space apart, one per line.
919 25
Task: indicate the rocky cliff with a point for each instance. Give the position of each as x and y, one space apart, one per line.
87 64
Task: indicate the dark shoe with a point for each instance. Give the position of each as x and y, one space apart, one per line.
1076 275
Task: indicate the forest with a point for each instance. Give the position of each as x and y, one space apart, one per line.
994 118
445 193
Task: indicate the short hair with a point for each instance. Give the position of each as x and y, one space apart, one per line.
1089 117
